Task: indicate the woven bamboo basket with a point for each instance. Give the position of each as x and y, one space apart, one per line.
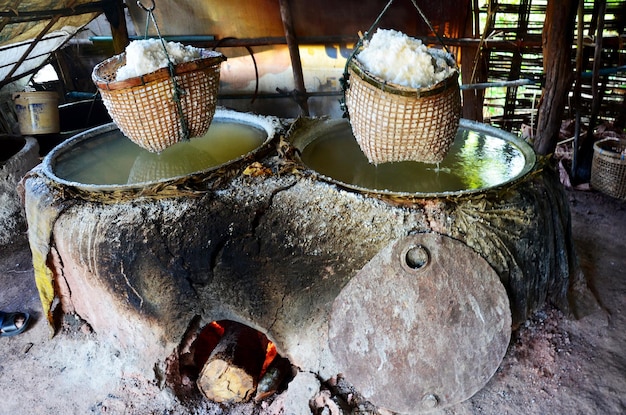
144 108
396 123
608 168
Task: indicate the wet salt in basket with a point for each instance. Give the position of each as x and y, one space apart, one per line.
396 123
608 168
144 107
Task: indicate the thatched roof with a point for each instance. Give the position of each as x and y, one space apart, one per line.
31 29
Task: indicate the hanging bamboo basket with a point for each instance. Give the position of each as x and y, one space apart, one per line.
394 123
144 107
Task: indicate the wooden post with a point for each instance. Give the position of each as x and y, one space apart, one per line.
473 99
114 12
294 53
585 150
473 70
557 36
577 86
516 66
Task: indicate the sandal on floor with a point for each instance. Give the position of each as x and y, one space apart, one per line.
8 327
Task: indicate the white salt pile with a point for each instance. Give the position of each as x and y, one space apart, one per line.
403 60
147 55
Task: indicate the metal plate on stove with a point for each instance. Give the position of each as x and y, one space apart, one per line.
422 326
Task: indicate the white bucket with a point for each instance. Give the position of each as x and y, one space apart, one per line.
37 112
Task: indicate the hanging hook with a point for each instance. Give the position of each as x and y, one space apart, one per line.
148 9
150 16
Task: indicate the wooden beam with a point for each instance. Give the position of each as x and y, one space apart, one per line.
529 43
32 45
21 16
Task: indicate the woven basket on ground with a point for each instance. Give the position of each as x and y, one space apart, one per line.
608 168
144 108
397 123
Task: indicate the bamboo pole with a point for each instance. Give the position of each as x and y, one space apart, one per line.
585 156
578 84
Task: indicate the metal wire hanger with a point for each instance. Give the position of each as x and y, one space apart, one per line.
178 92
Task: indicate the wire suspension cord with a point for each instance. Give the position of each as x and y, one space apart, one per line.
430 26
178 92
367 35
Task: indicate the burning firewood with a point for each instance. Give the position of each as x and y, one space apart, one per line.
270 382
232 371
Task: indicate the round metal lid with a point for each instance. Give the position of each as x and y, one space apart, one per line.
424 325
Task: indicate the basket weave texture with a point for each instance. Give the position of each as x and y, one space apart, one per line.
608 168
394 123
144 108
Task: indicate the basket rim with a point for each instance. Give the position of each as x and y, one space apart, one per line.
599 150
358 69
210 58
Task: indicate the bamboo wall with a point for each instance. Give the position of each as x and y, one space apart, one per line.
520 23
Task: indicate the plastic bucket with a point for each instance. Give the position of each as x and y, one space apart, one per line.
37 112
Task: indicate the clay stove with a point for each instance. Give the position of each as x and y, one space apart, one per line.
410 296
18 155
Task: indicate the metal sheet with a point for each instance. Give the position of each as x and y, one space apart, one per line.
424 325
261 18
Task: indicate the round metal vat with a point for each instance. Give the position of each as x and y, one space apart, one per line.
481 158
103 159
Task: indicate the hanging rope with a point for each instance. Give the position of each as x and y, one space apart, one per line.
178 91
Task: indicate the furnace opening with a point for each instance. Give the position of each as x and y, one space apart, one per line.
227 362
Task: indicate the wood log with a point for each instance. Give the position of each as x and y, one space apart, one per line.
232 371
206 342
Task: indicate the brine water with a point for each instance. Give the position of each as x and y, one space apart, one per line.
112 159
475 161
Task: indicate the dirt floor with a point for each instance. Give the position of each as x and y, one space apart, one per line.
555 364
